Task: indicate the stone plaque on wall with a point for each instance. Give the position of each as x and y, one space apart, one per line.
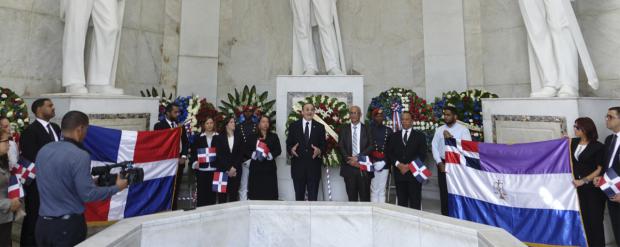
124 121
510 129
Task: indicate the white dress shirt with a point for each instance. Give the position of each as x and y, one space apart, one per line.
303 126
45 124
231 142
408 131
457 130
358 129
172 124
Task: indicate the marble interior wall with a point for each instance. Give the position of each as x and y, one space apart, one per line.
383 40
31 46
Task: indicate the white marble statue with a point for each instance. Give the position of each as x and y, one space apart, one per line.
107 19
555 46
309 13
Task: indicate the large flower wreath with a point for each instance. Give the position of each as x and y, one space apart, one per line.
249 99
194 111
395 101
14 108
468 106
330 112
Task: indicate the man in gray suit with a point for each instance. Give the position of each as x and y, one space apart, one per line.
354 140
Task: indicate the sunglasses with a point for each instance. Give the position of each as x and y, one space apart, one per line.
576 127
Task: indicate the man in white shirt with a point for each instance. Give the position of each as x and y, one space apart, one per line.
451 129
612 161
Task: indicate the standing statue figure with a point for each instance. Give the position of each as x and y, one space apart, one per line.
107 19
309 13
555 46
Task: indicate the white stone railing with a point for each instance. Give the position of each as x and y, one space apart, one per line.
262 223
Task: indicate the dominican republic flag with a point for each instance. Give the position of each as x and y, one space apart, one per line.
157 152
419 171
220 181
365 164
16 190
24 170
610 183
262 150
526 189
206 155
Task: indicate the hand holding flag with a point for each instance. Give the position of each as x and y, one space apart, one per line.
262 151
419 171
365 164
220 181
609 183
16 191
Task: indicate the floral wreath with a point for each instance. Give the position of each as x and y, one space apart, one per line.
330 112
395 101
14 108
468 106
194 112
248 99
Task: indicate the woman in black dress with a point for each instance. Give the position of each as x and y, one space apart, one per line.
263 179
204 171
588 157
229 158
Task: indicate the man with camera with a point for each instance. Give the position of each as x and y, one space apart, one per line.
65 184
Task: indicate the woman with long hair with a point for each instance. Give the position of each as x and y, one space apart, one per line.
229 149
205 165
263 147
588 156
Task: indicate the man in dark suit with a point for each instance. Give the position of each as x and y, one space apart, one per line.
35 136
612 161
305 144
172 113
404 147
355 140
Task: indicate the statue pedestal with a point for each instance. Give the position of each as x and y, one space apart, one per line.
112 111
291 89
518 120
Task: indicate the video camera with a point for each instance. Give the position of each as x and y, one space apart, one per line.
134 175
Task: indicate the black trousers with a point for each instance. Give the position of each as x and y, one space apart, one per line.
409 194
358 187
306 178
614 215
177 185
443 192
5 234
204 188
61 232
31 205
592 204
232 189
262 183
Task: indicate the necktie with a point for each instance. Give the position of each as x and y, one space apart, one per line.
354 146
174 125
611 150
307 132
406 137
50 132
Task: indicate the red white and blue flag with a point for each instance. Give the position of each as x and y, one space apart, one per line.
156 152
16 190
396 111
206 155
262 150
365 164
419 171
610 183
526 189
24 170
220 181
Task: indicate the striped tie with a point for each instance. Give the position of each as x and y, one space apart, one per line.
355 151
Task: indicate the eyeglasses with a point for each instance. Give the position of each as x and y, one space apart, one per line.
610 117
576 127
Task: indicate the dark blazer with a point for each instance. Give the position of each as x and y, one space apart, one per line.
345 144
201 142
405 153
163 124
608 152
589 159
304 150
227 158
273 142
34 137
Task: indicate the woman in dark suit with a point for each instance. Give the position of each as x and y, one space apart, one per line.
588 157
263 179
204 171
229 148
